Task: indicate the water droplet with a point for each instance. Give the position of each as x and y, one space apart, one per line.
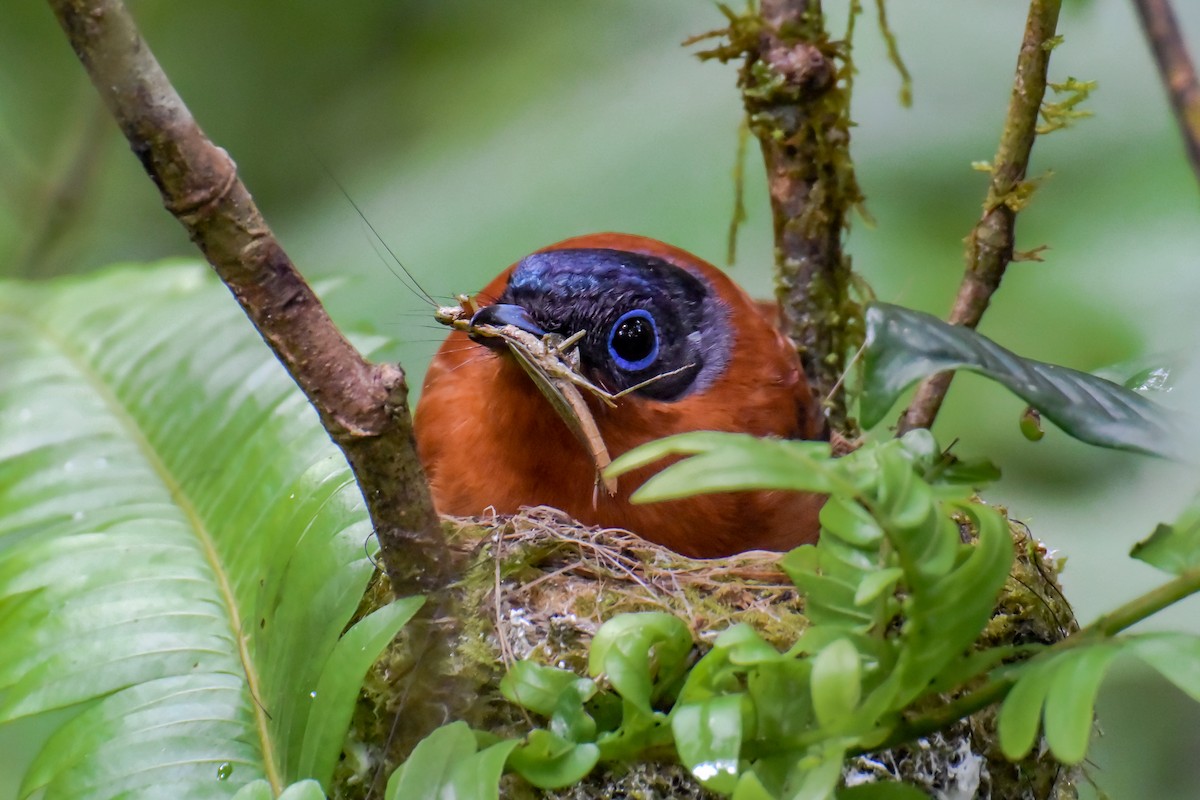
313 694
224 771
292 496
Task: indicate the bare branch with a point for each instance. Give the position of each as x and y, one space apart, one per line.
1177 71
363 406
990 243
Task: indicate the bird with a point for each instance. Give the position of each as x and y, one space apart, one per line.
714 360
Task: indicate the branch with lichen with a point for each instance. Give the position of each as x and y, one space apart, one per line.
362 405
794 84
990 243
1177 71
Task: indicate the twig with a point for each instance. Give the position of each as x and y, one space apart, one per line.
363 406
1177 71
990 243
1105 627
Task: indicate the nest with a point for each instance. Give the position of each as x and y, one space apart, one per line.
538 585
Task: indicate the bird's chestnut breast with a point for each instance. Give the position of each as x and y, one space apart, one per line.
690 348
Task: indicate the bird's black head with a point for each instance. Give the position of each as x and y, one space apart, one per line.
644 317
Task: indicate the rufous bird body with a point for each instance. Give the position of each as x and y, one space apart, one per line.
715 361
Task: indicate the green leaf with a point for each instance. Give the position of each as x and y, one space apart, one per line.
180 544
551 762
817 775
725 462
836 682
1175 655
1021 713
258 790
340 682
708 737
445 765
1173 548
304 790
640 653
904 346
876 583
1071 700
540 688
750 787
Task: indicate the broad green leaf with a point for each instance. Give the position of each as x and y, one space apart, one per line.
708 737
304 790
180 544
904 346
1071 700
1173 548
551 762
444 765
340 682
259 790
639 653
539 688
1175 655
836 682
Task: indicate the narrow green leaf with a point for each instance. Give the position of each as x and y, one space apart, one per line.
708 737
876 583
339 684
722 462
1071 700
904 346
1021 713
849 521
1173 548
1176 656
836 682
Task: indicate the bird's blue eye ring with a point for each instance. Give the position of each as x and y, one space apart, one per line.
633 340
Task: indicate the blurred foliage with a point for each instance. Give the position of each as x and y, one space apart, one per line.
473 132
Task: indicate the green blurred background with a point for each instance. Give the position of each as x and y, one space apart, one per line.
472 132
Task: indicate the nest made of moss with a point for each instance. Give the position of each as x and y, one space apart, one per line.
538 585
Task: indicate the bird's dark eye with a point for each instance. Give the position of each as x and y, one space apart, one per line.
633 340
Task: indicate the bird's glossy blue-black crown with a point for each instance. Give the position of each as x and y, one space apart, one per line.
644 317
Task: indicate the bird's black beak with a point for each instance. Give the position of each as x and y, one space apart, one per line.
499 315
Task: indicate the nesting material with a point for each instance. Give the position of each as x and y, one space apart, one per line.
538 585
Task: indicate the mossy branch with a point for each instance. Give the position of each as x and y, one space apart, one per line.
794 84
362 405
1177 71
990 243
